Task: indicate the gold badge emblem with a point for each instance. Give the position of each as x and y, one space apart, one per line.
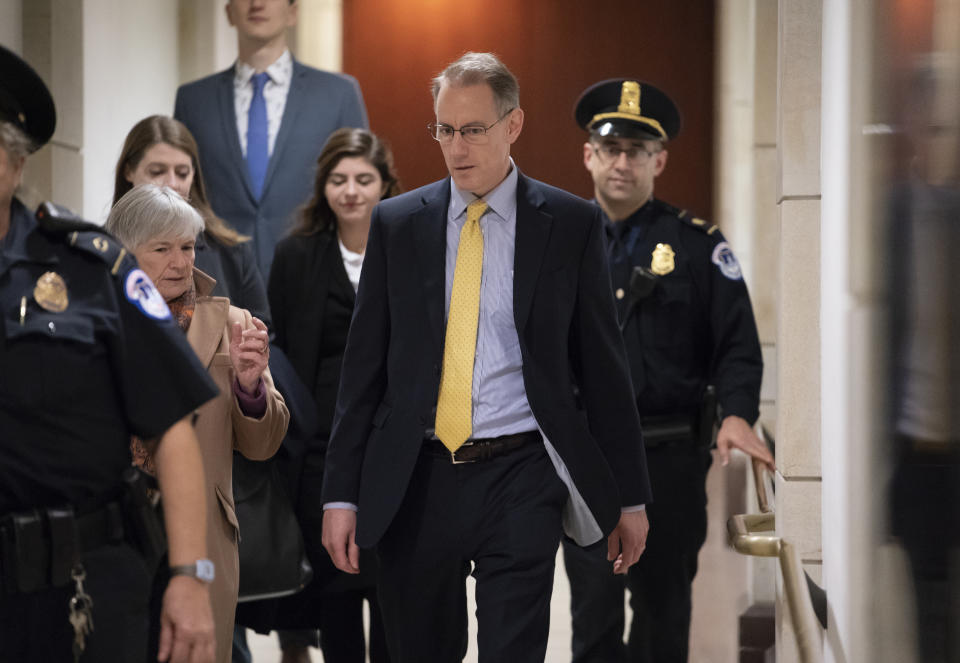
662 262
50 292
629 98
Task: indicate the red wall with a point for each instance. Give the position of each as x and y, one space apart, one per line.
556 48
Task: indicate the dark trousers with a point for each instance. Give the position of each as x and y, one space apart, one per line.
341 628
659 583
504 515
341 637
35 626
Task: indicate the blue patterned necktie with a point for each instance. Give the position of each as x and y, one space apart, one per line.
257 142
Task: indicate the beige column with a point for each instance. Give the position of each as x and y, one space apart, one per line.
53 45
11 25
718 587
798 480
319 34
207 42
745 167
766 243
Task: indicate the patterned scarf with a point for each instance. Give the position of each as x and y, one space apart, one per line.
182 309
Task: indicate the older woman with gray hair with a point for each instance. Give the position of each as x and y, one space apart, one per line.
160 229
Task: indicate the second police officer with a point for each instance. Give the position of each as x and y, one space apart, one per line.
693 349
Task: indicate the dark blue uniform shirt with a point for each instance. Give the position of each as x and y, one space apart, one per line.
696 327
76 383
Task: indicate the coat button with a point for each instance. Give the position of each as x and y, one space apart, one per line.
52 327
619 293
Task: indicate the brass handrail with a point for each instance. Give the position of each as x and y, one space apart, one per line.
748 536
761 486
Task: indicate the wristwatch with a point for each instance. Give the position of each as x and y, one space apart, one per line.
202 570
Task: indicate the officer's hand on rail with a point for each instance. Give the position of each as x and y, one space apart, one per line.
627 540
186 623
735 432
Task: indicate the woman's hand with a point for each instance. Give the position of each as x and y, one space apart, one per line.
249 352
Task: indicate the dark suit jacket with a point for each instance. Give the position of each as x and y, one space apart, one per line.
306 270
307 274
574 364
318 104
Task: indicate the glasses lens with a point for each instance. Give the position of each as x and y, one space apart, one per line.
474 134
635 155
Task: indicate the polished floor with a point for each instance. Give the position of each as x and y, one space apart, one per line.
719 591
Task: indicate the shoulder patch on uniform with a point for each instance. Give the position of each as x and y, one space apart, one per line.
141 292
727 262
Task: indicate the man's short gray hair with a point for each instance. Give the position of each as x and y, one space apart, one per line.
13 139
147 212
477 68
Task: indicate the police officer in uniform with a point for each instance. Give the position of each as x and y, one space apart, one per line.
88 356
692 344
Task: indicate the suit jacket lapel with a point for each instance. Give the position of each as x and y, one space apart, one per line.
532 234
430 238
228 123
291 112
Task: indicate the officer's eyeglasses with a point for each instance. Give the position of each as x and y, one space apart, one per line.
609 153
475 134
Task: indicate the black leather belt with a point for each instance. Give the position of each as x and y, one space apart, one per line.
482 449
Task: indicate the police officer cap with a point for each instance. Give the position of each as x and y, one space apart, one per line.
628 108
24 99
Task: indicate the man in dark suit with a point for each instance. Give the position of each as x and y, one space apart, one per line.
261 124
485 403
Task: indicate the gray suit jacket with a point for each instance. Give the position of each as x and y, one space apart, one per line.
318 104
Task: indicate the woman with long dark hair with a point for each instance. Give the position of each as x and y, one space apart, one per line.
312 287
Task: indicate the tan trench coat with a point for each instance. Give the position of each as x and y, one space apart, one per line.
221 427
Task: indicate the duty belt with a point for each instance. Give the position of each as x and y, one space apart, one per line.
661 430
39 548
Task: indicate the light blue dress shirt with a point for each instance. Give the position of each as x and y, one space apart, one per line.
500 404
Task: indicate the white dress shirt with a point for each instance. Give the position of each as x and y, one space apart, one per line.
353 263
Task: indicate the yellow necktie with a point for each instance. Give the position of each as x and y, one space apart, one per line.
455 404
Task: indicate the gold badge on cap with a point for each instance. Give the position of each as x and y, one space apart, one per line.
662 262
50 293
630 98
